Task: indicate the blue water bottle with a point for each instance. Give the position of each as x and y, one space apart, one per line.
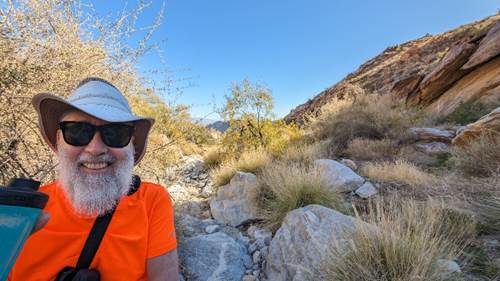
20 206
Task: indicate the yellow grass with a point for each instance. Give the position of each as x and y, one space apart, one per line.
366 149
250 161
408 240
288 186
399 171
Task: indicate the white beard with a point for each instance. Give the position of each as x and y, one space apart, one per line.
95 195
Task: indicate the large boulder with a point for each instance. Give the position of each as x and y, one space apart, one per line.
488 48
213 257
481 84
297 250
233 203
489 123
432 134
444 74
337 176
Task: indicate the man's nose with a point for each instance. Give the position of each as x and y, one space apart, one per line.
96 146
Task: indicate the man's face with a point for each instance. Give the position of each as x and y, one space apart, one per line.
95 176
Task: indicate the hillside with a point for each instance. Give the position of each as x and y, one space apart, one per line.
436 71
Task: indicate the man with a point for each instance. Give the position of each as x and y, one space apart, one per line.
98 140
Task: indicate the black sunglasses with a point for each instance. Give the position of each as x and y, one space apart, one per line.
116 135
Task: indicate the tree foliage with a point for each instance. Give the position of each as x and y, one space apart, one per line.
49 46
248 110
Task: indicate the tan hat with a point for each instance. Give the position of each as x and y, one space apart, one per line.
97 98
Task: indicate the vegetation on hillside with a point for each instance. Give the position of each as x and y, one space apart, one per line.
49 46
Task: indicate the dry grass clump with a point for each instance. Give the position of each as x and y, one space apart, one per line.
366 149
398 171
288 186
479 158
409 240
365 116
250 161
213 157
304 153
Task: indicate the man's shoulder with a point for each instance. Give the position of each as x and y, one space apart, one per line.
49 187
152 189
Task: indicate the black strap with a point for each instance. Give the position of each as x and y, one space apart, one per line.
98 229
94 240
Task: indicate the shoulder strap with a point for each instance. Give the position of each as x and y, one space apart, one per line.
98 229
94 240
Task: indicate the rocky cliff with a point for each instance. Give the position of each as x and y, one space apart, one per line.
439 72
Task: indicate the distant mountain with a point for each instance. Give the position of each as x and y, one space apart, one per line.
220 126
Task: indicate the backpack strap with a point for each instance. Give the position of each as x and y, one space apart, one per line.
98 229
94 240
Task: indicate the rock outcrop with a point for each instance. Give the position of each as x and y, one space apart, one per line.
233 203
297 250
488 124
439 72
215 257
337 176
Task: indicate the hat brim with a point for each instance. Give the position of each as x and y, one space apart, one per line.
50 108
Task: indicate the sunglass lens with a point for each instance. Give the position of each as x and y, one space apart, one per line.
77 133
116 135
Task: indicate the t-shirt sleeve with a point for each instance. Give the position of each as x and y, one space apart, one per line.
162 237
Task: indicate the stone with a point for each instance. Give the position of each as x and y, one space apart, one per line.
211 228
298 247
256 257
447 267
233 203
216 257
488 48
249 278
207 191
482 85
432 148
367 190
263 237
338 177
253 247
349 163
490 123
432 134
406 86
444 74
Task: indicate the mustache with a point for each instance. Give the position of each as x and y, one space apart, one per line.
99 158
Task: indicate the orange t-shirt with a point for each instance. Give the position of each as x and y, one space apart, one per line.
142 227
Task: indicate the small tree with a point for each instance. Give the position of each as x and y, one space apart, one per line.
248 110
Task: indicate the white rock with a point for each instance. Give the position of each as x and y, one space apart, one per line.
447 267
211 228
233 203
337 176
298 249
367 190
249 278
216 257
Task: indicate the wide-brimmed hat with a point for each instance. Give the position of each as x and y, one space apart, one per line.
97 98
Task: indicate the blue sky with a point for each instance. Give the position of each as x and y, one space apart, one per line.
295 48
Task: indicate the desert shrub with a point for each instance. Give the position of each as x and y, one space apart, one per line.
365 116
403 242
214 156
480 157
469 112
288 186
50 46
248 110
250 161
366 149
398 171
487 211
304 152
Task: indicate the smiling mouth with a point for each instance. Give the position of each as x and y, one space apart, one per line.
95 165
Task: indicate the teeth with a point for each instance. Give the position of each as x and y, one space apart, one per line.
95 166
